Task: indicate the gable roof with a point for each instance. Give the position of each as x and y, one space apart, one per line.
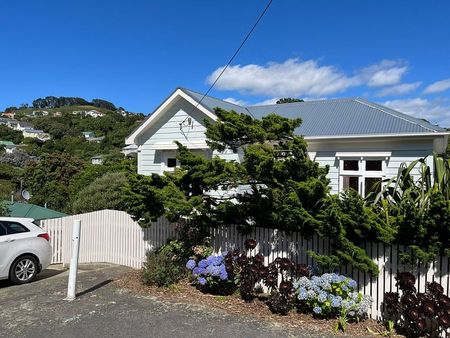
336 118
347 116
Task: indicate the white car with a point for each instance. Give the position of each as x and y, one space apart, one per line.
24 249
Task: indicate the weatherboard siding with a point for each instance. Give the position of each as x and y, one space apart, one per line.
167 130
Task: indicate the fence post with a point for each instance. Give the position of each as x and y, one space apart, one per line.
72 285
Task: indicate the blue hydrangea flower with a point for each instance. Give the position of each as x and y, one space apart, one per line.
317 310
191 264
223 275
197 271
311 294
219 260
302 293
201 281
211 260
352 284
336 302
203 263
215 271
322 297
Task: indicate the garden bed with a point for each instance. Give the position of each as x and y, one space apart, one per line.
185 292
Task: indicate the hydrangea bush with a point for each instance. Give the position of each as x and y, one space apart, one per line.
331 295
213 274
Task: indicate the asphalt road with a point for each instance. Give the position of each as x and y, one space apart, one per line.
102 310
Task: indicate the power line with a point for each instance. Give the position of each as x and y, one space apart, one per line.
235 53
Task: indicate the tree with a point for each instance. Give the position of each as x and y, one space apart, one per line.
283 186
48 180
105 192
289 100
8 134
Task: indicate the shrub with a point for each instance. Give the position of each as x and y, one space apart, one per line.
165 266
331 295
214 274
417 314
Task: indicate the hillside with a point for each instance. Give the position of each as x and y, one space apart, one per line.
48 169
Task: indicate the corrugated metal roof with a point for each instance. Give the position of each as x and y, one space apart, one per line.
337 117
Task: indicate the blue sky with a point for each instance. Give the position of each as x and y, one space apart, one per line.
134 53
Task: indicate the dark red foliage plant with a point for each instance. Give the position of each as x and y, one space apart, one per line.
277 276
417 314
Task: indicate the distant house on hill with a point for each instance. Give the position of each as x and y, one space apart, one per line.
37 134
88 135
11 123
97 159
130 150
95 113
9 146
10 115
23 125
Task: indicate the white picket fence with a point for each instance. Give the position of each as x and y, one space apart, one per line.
107 236
113 237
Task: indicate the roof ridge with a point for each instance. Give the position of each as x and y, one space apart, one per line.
404 117
215 98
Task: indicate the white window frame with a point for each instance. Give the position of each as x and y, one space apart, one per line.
361 173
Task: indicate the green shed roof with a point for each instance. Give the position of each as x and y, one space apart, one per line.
36 212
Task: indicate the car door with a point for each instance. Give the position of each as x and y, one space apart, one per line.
14 235
5 249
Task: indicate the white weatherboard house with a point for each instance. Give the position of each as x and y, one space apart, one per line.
361 142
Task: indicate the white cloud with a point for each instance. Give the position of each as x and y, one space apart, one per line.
435 111
384 73
400 89
236 101
298 78
438 86
290 78
266 102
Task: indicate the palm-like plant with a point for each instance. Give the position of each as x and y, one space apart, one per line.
417 189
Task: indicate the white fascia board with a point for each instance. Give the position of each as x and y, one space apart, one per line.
365 136
131 139
379 154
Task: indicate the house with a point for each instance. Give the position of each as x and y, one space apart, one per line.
94 113
9 146
35 133
23 125
11 123
362 142
97 159
130 150
36 113
88 135
10 114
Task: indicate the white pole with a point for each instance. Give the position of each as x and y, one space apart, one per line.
71 288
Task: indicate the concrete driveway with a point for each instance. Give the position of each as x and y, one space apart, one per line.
102 310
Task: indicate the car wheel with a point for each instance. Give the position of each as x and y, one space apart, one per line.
23 270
